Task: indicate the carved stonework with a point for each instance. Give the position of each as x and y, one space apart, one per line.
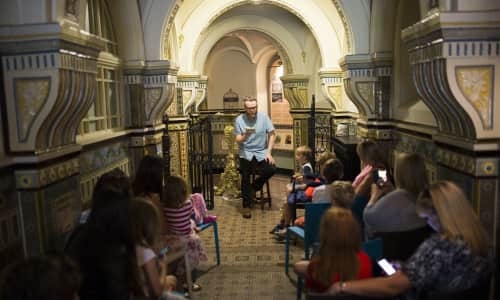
332 84
40 177
151 90
366 92
194 89
476 84
152 97
50 91
30 96
367 84
295 89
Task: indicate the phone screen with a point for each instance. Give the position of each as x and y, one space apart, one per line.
386 266
163 251
382 175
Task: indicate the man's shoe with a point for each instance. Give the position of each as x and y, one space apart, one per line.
246 213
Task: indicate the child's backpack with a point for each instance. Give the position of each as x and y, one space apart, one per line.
200 209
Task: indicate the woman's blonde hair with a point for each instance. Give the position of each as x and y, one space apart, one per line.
342 194
305 151
340 242
146 222
457 218
176 192
410 173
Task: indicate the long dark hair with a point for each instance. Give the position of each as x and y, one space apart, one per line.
149 177
109 233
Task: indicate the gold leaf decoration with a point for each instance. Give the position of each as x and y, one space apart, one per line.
475 83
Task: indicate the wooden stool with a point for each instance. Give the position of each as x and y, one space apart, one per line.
264 194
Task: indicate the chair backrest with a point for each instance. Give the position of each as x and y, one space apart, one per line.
311 296
401 245
374 249
481 291
313 213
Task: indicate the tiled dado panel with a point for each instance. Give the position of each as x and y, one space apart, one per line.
10 226
49 215
97 161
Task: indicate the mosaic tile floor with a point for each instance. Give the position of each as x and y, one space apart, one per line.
252 260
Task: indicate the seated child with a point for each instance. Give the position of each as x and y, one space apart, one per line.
181 229
340 257
296 190
152 265
331 170
340 194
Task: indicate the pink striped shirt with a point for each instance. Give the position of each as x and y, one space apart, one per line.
179 219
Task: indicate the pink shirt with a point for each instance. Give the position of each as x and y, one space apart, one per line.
179 219
361 176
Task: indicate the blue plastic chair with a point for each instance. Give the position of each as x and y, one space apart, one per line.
310 232
213 224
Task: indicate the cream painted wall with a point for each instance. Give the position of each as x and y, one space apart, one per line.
358 16
128 30
406 104
33 11
229 69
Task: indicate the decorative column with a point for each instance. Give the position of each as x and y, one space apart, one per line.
455 59
367 84
296 91
191 93
332 84
151 89
49 79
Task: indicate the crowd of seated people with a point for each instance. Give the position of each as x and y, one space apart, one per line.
431 234
117 251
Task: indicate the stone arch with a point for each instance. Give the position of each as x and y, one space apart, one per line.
311 16
288 54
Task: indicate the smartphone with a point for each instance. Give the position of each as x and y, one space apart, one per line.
250 129
163 251
382 175
386 266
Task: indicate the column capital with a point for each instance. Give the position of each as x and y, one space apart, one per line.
454 56
295 88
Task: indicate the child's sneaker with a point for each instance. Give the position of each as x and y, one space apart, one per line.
276 229
281 233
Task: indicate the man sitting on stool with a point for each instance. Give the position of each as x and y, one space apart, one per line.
252 130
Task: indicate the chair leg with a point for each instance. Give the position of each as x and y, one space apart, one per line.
216 237
287 250
268 193
299 287
306 249
189 279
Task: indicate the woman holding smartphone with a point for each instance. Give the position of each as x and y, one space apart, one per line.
455 259
389 209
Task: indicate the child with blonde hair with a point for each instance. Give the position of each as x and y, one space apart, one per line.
147 231
295 190
342 194
181 229
340 257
